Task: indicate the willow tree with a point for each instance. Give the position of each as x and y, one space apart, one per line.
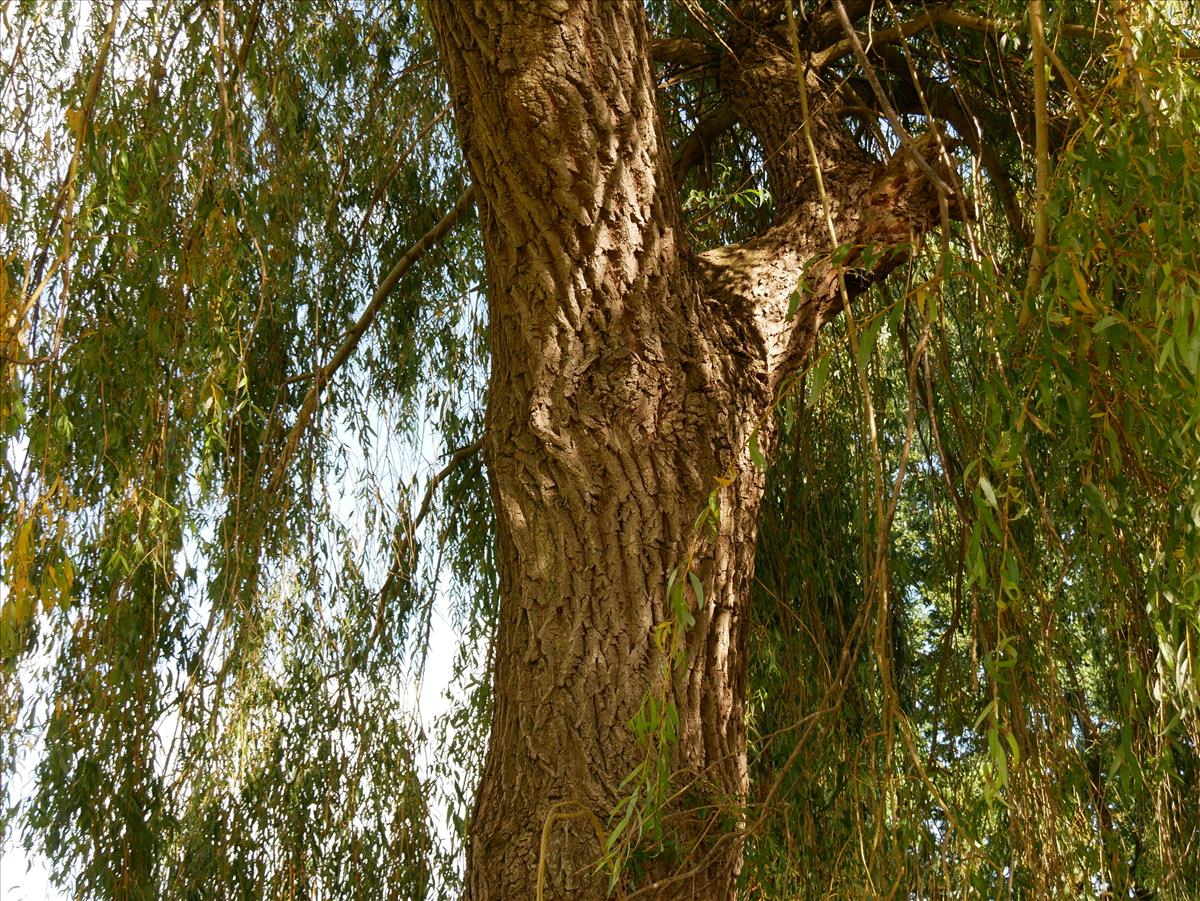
829 522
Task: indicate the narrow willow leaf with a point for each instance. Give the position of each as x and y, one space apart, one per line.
697 588
756 454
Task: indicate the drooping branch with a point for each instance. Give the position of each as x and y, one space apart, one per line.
1041 221
322 376
82 124
408 527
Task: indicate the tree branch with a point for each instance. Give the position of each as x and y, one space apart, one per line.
875 38
410 527
323 375
825 27
886 207
945 15
683 53
973 130
906 140
695 148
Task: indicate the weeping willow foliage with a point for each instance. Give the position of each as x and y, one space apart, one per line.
977 616
996 695
197 200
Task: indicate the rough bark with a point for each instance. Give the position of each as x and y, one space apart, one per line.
627 374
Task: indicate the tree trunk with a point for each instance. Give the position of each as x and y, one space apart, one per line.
628 373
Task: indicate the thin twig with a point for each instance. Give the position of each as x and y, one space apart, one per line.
1041 223
906 140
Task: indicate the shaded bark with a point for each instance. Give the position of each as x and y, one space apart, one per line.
628 372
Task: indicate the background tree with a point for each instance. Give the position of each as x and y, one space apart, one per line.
935 262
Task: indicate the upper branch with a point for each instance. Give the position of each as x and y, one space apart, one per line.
885 206
944 14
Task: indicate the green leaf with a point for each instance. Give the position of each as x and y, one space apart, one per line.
630 806
756 454
999 761
989 493
794 300
866 341
817 376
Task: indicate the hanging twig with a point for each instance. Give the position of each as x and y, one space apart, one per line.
1131 64
82 121
1041 146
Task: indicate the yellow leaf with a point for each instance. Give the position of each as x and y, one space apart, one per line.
74 121
1037 422
1085 301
